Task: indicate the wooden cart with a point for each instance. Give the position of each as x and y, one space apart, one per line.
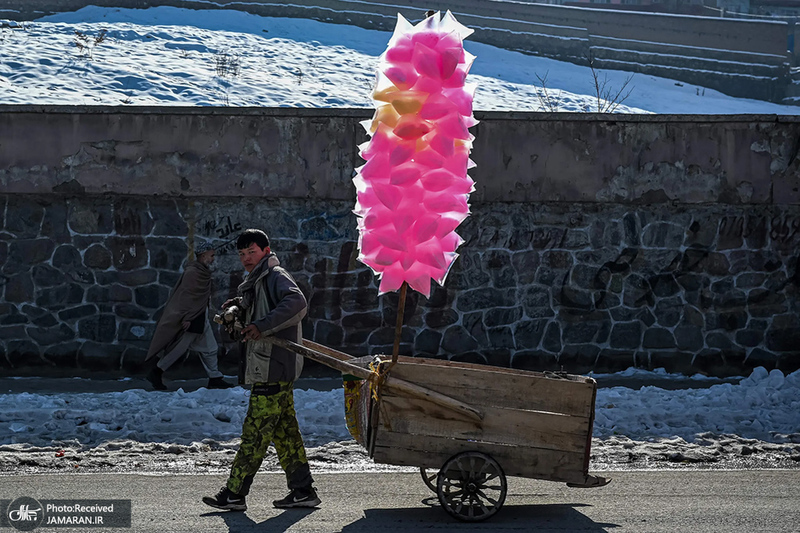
467 426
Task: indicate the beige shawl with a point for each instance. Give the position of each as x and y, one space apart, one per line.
189 298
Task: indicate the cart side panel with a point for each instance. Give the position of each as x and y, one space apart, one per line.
432 452
533 429
486 387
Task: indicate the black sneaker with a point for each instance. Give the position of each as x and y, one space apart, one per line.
298 498
227 500
154 377
218 383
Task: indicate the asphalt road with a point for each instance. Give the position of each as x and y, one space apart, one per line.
649 501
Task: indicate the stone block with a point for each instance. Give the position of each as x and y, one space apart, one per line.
90 218
134 360
441 297
760 357
632 229
610 360
500 357
151 296
168 278
626 335
27 252
385 337
466 273
580 332
9 315
46 276
54 223
101 328
750 280
167 217
63 355
578 358
750 337
473 323
427 342
779 339
668 311
326 304
39 317
535 302
658 339
132 217
528 334
368 320
673 361
535 360
77 312
97 257
637 292
726 320
497 263
664 285
23 217
440 318
133 278
136 332
167 253
127 253
663 235
100 357
487 298
19 288
525 264
500 316
500 337
131 311
57 298
51 335
475 358
789 362
552 337
359 300
701 233
23 353
689 338
113 293
457 340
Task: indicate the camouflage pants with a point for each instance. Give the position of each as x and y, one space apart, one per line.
270 418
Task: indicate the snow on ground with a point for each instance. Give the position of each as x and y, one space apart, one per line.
171 56
764 406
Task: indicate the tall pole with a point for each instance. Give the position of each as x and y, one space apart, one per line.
398 330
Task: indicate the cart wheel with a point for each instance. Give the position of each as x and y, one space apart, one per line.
429 479
471 486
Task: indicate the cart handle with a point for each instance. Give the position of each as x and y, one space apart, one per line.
344 366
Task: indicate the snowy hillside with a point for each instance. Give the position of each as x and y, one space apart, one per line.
179 57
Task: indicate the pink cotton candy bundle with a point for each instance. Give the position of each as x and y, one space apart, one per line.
412 191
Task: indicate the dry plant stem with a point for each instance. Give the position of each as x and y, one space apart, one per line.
398 329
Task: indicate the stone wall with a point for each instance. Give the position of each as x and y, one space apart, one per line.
595 243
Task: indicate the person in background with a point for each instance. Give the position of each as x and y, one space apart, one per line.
272 305
184 324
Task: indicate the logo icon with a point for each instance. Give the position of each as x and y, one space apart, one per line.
25 514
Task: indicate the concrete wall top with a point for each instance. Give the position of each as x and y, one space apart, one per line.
312 153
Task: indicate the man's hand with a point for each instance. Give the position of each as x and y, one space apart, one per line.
229 303
186 325
251 333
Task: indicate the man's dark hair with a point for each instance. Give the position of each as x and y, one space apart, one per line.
430 13
251 236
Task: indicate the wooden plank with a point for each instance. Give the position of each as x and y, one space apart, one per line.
488 387
393 382
433 452
503 426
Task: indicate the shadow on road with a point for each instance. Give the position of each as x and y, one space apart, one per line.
562 517
238 522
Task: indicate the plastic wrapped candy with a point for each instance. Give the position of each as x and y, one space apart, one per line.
412 192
